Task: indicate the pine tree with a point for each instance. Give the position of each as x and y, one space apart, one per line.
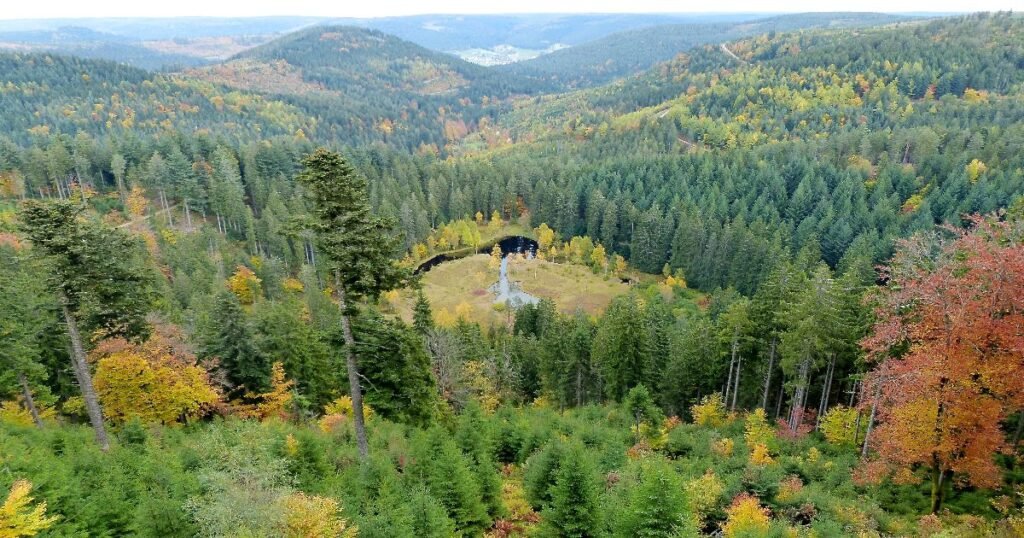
359 247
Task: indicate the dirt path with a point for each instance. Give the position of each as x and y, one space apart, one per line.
729 52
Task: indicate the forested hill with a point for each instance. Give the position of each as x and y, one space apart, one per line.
632 51
364 85
721 163
47 94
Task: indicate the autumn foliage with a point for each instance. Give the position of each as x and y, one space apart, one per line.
18 516
948 344
157 381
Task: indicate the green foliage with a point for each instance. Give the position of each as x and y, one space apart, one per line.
449 475
655 506
357 243
400 382
575 509
97 271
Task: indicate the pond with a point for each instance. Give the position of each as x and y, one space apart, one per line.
505 290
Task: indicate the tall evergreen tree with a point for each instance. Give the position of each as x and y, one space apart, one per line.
99 281
359 247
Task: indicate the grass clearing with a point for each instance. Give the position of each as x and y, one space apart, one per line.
572 287
461 288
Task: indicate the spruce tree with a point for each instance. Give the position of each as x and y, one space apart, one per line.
474 440
656 507
574 511
447 473
422 319
359 248
231 340
99 280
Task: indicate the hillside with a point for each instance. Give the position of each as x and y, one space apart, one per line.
45 94
629 52
365 85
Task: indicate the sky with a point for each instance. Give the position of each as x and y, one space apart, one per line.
21 9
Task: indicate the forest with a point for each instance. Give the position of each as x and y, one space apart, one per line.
815 233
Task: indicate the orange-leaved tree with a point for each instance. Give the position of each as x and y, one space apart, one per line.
948 345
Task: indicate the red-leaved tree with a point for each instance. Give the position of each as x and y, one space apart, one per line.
949 349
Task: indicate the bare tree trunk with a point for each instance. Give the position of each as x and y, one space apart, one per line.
768 375
579 386
30 402
353 373
81 369
188 215
121 191
826 391
799 396
732 365
871 422
736 382
778 402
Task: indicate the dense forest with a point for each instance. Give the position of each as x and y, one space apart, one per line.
820 235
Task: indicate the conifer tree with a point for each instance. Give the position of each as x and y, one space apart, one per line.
359 247
422 318
448 474
474 440
574 511
98 279
656 507
230 339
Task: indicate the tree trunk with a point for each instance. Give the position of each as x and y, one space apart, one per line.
826 391
782 395
121 190
81 369
768 375
30 402
188 215
732 365
353 374
940 480
799 396
871 423
736 382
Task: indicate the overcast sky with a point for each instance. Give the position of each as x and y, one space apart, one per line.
23 9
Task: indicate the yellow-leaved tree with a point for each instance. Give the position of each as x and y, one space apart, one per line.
245 285
275 403
746 518
157 381
18 517
710 411
312 516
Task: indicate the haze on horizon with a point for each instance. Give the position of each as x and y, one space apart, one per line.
50 9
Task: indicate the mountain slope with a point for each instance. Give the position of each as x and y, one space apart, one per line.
632 51
44 94
367 86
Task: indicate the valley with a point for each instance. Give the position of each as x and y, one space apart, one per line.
605 275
